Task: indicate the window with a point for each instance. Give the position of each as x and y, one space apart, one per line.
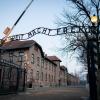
49 77
6 74
38 61
21 55
42 62
49 66
46 64
20 58
42 76
11 56
32 58
46 77
52 78
52 67
37 75
55 69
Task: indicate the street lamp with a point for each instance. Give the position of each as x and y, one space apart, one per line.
94 19
96 23
93 57
92 53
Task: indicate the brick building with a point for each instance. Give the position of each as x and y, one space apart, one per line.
42 70
63 76
72 80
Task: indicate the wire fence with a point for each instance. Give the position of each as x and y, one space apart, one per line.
12 77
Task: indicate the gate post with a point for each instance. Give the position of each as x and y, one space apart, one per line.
17 84
24 80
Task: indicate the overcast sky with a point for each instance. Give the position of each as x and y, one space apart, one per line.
41 13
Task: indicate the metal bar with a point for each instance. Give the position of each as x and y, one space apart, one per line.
22 14
17 21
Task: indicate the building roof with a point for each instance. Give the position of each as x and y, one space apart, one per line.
53 58
63 68
71 75
16 44
50 60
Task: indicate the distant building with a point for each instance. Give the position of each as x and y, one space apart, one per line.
72 80
63 76
57 61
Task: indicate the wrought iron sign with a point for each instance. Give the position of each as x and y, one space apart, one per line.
51 32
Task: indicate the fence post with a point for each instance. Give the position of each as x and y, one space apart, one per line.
17 85
24 80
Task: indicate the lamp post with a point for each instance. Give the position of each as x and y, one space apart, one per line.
96 21
93 57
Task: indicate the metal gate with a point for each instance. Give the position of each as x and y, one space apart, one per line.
12 77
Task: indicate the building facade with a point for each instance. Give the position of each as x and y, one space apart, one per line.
72 80
42 70
63 76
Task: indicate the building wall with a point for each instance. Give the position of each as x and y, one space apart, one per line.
57 73
63 76
49 73
41 71
33 65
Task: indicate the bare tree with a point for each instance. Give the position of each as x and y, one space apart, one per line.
79 15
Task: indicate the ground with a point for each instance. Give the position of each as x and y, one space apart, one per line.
49 94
